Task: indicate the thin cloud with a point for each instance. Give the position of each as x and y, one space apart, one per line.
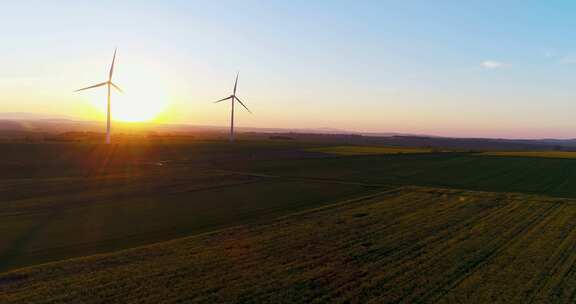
493 65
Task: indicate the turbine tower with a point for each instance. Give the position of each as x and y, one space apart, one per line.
108 84
233 99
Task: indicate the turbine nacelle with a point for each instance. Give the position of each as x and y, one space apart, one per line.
234 98
109 82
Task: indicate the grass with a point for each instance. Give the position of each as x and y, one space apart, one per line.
544 154
411 245
369 150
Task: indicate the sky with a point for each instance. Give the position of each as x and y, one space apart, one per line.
451 68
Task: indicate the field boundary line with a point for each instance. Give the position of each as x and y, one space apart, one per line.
298 178
328 206
543 198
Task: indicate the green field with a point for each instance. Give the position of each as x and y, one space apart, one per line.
411 245
65 200
59 201
79 216
535 175
545 154
368 150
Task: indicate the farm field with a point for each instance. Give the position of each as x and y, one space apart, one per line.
534 175
76 217
545 154
368 150
69 200
407 245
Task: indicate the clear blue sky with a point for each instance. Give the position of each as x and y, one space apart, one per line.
461 68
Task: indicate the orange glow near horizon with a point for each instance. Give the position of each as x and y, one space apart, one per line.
144 99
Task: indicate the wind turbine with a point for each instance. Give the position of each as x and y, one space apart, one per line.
233 99
108 84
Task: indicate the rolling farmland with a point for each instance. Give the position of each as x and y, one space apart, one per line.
407 245
137 194
61 218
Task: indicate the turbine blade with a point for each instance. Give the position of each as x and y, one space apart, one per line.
112 66
236 82
245 107
90 87
223 99
117 87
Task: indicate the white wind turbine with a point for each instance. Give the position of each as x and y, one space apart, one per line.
233 99
109 84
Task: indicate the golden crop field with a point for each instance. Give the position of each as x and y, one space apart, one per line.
369 150
409 245
545 154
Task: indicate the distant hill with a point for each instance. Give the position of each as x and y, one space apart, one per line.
51 123
31 116
27 122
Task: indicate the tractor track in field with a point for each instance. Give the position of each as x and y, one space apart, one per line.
405 245
437 294
440 238
411 251
563 256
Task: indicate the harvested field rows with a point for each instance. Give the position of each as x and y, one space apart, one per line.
407 245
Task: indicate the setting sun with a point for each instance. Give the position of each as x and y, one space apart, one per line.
139 106
143 99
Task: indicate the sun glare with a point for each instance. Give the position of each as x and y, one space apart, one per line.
143 100
139 106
